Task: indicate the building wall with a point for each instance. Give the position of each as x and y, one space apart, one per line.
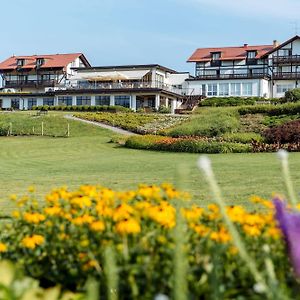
259 87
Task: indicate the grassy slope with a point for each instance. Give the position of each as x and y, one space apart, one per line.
87 157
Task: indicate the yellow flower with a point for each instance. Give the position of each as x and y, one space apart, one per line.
13 197
34 218
164 214
16 214
31 189
32 241
123 211
52 211
97 226
84 243
3 248
128 226
251 230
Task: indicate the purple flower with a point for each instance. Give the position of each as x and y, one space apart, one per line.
289 223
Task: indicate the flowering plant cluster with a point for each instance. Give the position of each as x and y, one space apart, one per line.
63 241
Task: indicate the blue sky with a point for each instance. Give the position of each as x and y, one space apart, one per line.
113 32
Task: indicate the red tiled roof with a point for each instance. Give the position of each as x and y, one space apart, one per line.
229 53
51 61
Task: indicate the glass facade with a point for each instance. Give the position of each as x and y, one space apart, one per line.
224 89
123 101
102 100
48 101
212 90
247 89
31 102
83 100
65 100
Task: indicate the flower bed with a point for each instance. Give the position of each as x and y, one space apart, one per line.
135 122
186 144
64 241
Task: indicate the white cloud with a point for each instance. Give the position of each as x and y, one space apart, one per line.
277 9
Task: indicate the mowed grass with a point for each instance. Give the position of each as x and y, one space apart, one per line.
87 157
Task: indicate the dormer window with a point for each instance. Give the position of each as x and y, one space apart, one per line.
251 54
215 55
20 62
40 62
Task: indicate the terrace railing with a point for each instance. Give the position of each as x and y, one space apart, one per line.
234 76
29 83
127 85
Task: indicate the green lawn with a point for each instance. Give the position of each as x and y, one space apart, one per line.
87 157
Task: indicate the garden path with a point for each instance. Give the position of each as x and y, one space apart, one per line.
114 129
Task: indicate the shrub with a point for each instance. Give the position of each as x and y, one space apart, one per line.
164 110
229 101
286 133
242 137
271 110
292 95
187 144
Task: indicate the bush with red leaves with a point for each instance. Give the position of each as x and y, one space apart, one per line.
284 134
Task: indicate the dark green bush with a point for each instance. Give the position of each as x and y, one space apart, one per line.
164 110
292 95
192 145
229 101
271 110
242 137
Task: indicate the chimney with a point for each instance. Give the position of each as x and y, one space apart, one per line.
245 45
275 43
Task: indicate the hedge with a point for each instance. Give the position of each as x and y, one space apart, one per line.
106 108
236 101
187 144
271 110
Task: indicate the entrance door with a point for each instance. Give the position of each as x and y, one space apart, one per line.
1 103
15 103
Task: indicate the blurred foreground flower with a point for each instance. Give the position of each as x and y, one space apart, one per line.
289 223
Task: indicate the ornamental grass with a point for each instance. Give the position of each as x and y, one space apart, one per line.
129 241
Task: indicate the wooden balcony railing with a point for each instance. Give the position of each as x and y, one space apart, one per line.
234 76
286 59
286 75
28 83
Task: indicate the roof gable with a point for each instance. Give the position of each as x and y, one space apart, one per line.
229 53
50 61
296 37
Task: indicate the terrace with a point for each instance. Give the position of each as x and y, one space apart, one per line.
126 85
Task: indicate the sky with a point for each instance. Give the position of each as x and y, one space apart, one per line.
120 32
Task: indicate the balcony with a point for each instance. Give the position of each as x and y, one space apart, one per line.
286 75
28 83
234 76
125 85
291 59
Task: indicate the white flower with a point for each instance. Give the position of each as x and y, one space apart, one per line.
161 297
259 288
204 163
282 154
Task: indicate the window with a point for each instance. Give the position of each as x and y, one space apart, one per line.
282 88
20 62
65 100
48 101
122 101
285 52
31 102
83 100
15 103
247 89
40 62
235 89
215 55
102 100
251 54
212 90
224 89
